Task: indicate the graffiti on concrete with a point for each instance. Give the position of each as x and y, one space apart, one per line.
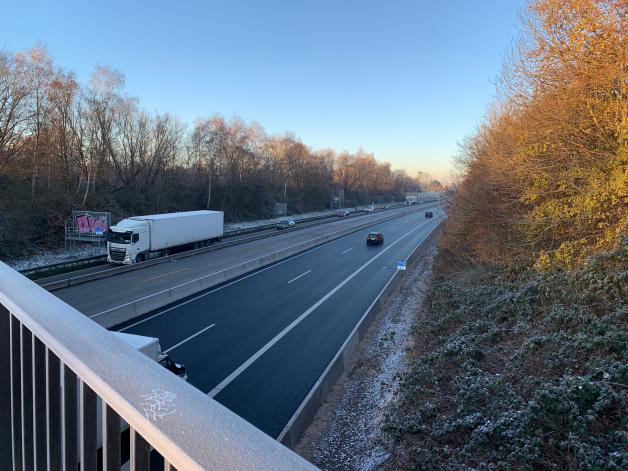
158 404
88 223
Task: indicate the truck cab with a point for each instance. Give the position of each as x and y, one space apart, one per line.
128 242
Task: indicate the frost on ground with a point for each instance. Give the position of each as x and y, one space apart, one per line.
49 257
346 432
234 226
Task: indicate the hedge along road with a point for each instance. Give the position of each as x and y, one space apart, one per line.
94 297
259 343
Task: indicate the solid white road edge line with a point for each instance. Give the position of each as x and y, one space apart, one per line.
221 286
189 338
302 274
344 345
165 274
218 288
225 382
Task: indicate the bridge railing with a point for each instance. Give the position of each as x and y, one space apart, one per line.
73 394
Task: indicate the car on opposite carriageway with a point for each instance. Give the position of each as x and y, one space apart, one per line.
285 224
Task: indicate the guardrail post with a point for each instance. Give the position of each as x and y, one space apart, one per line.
70 420
5 385
111 439
140 452
88 432
53 411
26 378
16 393
39 402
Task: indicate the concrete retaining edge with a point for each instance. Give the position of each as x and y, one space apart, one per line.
138 307
305 413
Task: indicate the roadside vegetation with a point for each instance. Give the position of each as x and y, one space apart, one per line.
66 145
520 355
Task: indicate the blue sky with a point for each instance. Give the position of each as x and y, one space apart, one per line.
406 80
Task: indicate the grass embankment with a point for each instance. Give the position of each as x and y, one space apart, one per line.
525 373
521 346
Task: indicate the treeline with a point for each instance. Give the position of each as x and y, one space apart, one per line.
65 146
520 348
545 177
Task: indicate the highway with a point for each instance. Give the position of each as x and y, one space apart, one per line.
229 238
95 297
259 343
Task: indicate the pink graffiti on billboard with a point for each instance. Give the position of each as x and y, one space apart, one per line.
91 223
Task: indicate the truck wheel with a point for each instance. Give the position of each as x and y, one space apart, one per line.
139 258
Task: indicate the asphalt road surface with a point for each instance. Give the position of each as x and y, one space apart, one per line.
259 343
94 297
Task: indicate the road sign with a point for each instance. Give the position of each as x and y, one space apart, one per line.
99 230
401 265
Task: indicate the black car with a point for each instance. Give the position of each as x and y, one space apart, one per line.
176 368
428 214
375 238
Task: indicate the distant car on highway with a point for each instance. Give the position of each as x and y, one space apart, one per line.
428 214
369 209
375 238
284 224
343 212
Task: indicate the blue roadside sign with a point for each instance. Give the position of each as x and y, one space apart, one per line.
401 265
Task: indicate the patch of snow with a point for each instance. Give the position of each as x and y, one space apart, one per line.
234 226
50 257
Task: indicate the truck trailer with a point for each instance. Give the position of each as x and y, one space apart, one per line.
150 347
140 238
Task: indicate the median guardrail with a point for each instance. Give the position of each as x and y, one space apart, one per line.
128 311
39 273
71 281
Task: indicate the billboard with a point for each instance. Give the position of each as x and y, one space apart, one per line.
91 222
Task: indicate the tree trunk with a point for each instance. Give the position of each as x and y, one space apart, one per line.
86 188
209 188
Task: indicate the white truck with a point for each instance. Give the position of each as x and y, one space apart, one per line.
150 347
140 238
411 200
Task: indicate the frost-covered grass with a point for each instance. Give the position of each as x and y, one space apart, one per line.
233 226
49 257
529 373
